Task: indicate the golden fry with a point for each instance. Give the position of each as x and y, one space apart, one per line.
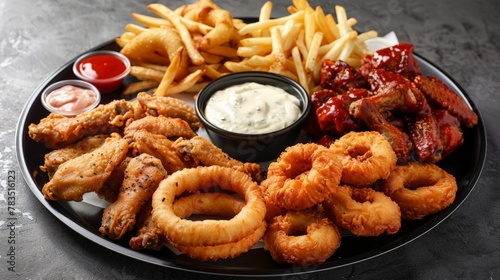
136 87
170 74
309 26
153 66
265 14
134 28
256 41
270 23
186 83
194 54
143 73
294 45
254 50
196 87
223 51
300 69
322 25
151 21
313 51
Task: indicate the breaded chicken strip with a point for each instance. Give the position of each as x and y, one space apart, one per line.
142 177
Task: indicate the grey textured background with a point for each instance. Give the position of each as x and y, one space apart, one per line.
461 37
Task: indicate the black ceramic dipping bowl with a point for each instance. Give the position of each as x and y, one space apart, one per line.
251 147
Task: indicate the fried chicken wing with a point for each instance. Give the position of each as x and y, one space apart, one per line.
158 146
148 236
110 189
373 118
450 131
199 151
169 107
168 127
57 157
394 92
332 111
57 131
442 95
87 172
142 176
397 59
425 135
341 77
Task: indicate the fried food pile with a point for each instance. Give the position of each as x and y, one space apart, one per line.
162 181
137 145
168 185
181 50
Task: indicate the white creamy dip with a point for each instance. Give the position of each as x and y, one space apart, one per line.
252 108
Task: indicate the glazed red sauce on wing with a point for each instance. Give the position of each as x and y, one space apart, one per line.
101 66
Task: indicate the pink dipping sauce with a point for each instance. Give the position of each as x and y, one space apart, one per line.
70 98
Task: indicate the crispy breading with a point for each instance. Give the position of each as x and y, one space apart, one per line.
57 157
57 131
142 176
87 172
168 127
158 146
199 151
169 107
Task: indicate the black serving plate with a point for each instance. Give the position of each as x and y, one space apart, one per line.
465 164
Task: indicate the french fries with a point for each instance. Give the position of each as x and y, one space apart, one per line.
315 38
156 71
294 45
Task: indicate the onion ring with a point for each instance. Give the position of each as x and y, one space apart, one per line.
224 251
366 157
364 212
208 232
220 205
216 204
304 238
420 189
302 176
272 210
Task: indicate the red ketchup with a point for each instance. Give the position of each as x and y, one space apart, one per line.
104 70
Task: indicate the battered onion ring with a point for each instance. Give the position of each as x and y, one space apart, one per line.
224 251
272 210
220 205
303 176
366 157
216 204
208 232
364 212
304 238
165 40
420 189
